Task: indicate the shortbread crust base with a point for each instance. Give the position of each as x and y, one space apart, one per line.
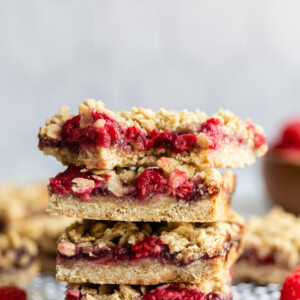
159 208
146 272
229 155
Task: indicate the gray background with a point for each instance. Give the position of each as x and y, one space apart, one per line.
241 55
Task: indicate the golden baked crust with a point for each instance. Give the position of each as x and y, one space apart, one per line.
145 272
189 243
158 208
230 154
275 235
219 285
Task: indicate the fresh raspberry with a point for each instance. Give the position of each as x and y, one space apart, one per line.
290 136
291 287
297 270
12 293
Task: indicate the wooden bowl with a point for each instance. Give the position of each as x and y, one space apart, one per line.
282 178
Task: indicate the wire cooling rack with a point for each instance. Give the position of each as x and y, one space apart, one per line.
45 287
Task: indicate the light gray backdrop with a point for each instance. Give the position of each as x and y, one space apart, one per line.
241 55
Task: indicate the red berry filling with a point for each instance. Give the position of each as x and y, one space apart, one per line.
251 254
151 247
111 134
62 183
151 182
180 292
73 295
148 247
12 293
175 291
259 139
213 129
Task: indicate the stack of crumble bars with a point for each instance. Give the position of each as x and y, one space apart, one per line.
157 220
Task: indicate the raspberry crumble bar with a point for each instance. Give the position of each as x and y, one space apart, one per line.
23 208
44 230
19 203
272 247
171 193
98 138
18 259
147 253
214 289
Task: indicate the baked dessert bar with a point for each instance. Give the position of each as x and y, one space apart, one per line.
18 259
215 289
23 208
272 248
177 194
98 138
18 203
147 253
44 230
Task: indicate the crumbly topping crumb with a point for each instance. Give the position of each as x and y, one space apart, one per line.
148 120
278 232
20 202
120 181
10 243
219 285
185 240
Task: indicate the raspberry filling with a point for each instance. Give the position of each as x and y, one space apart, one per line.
175 291
103 131
149 183
250 254
180 292
259 138
148 247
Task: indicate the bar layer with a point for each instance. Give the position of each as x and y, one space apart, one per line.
147 253
272 248
150 195
98 138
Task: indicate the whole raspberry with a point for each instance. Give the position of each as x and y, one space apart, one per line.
12 293
291 287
